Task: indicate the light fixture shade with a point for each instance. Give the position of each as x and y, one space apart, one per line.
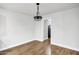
37 18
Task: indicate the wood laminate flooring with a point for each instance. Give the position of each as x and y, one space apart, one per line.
38 48
57 50
31 48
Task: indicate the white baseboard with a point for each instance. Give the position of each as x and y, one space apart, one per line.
20 43
40 39
66 46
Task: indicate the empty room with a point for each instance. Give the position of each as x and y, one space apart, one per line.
39 28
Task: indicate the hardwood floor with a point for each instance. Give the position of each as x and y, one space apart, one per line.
31 48
57 50
38 48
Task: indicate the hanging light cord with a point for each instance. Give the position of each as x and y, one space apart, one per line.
37 8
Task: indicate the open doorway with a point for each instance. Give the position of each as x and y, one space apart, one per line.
47 29
47 34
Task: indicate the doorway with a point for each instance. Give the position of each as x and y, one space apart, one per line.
47 29
49 32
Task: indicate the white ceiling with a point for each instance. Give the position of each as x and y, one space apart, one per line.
45 8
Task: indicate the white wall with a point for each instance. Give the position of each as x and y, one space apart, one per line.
65 28
39 27
2 29
45 31
15 28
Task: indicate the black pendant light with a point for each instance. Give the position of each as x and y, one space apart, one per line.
37 17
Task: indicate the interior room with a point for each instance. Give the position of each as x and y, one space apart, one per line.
39 28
